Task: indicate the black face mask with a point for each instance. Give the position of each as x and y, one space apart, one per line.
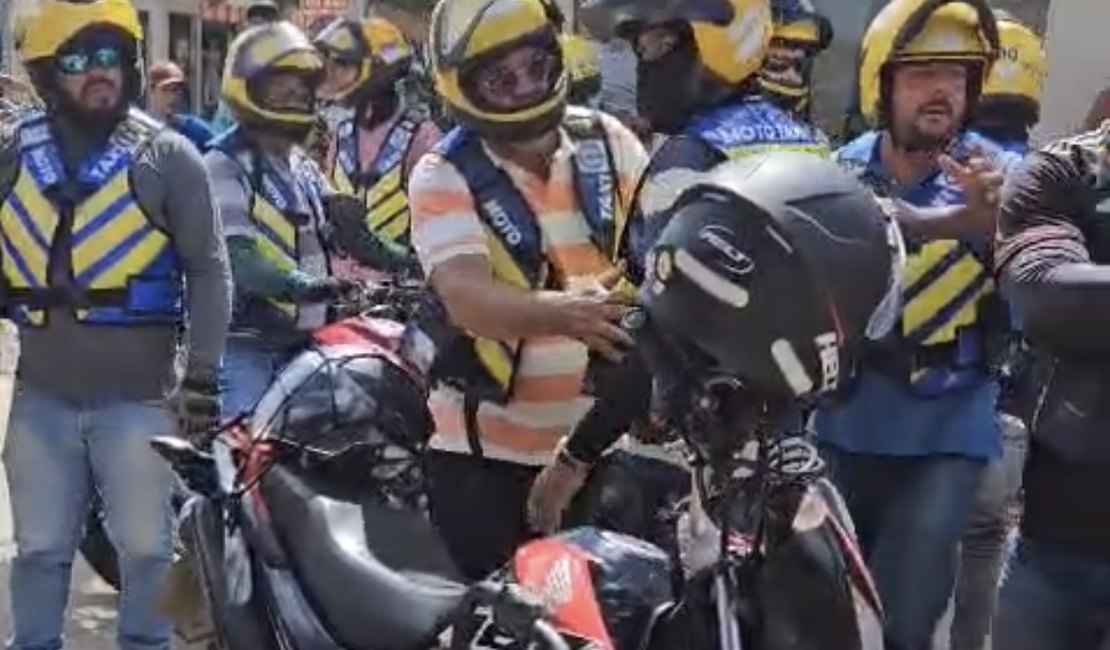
667 89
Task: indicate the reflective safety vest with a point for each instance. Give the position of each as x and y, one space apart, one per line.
383 187
278 210
948 296
123 268
484 368
755 126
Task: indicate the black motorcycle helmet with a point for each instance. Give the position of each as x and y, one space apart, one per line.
788 264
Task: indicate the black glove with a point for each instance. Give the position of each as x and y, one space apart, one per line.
331 290
348 232
197 406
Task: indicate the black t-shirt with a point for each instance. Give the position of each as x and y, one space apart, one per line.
1052 235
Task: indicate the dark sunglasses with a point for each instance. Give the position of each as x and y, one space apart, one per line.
500 80
104 58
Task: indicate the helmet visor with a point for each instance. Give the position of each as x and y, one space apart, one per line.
607 19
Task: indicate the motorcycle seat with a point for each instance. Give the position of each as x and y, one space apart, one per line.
378 577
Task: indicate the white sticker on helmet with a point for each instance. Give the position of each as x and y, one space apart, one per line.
710 281
791 367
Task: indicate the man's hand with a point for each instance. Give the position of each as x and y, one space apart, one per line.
196 404
591 310
981 183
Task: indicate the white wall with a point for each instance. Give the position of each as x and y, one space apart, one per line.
1079 64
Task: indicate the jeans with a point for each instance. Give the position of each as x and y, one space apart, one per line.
986 544
910 513
1053 600
248 371
55 454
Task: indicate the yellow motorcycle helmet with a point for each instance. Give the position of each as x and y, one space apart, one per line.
465 34
799 34
582 68
376 45
40 31
263 50
731 36
908 31
1021 68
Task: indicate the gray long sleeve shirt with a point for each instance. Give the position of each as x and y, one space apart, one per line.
93 364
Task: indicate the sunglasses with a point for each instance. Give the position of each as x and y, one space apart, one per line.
104 58
501 80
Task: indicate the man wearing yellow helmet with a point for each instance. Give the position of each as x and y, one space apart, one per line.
518 216
800 35
697 81
1008 109
112 248
372 153
909 442
1011 102
583 70
276 203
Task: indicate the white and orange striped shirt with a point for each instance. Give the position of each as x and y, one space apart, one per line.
547 390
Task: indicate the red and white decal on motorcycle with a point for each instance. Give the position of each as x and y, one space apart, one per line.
559 575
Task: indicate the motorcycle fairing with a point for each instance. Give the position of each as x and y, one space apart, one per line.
594 572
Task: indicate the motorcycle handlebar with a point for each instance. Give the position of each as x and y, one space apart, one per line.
515 612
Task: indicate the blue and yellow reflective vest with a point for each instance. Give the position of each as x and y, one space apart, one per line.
124 268
383 186
948 296
285 214
756 126
485 366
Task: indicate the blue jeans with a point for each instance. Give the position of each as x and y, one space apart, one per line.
55 454
248 371
987 542
1053 600
909 513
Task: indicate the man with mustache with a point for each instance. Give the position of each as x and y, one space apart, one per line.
908 443
112 250
519 218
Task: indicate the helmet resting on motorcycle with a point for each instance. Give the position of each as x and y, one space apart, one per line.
789 263
1016 80
45 31
468 37
912 31
260 54
799 34
375 45
712 49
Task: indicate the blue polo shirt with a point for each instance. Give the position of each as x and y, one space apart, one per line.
879 415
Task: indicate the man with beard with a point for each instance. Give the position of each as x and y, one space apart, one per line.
278 208
372 152
800 35
519 220
908 443
112 248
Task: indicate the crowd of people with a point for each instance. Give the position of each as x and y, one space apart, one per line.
160 269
